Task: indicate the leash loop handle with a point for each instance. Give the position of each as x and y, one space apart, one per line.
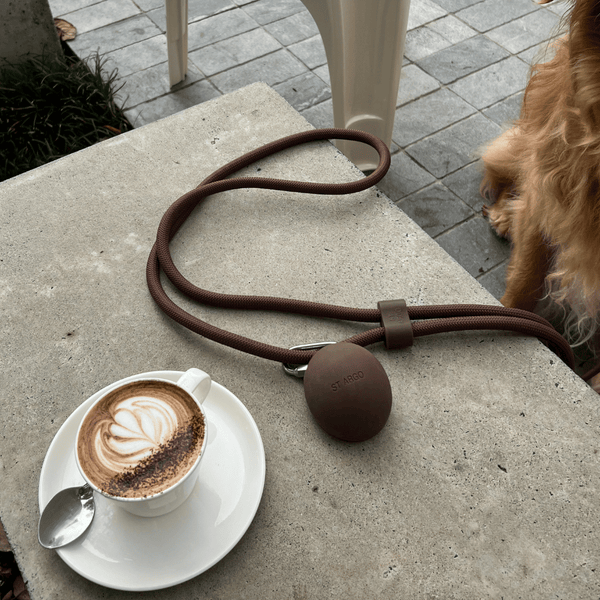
426 320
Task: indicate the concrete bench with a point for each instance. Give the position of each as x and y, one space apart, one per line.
484 482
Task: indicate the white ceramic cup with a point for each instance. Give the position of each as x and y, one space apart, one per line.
196 384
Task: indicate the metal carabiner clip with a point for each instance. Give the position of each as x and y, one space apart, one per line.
300 370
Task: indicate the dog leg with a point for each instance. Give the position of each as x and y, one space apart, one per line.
498 184
528 266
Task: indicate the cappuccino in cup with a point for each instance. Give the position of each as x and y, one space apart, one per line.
143 440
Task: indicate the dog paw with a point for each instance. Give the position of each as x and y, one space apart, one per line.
498 220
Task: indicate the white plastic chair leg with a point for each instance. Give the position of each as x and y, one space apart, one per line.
364 42
177 39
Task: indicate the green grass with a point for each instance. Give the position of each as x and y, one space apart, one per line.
53 106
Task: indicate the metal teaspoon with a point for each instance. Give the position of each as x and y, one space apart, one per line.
66 516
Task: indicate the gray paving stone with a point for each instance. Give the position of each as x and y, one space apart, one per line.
462 59
147 5
323 73
171 103
435 209
267 11
525 32
404 177
234 51
427 115
200 9
454 147
394 148
506 111
424 11
492 84
276 68
475 246
114 36
304 91
436 36
219 27
422 42
152 83
197 10
540 53
453 29
494 281
211 59
321 115
558 8
101 14
465 184
488 14
296 28
455 5
414 83
311 52
159 18
139 56
59 8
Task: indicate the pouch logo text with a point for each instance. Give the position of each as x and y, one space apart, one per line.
347 380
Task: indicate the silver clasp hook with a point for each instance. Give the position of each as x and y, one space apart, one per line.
300 370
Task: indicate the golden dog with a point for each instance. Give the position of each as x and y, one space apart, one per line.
543 180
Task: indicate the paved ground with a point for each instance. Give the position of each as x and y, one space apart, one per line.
466 64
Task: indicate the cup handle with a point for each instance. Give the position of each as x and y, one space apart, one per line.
196 382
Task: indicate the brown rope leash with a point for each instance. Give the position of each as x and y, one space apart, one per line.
423 320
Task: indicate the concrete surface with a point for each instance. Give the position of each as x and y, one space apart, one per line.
465 67
483 484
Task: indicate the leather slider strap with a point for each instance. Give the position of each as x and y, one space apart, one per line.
396 322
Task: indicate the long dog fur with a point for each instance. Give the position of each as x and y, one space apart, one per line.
542 178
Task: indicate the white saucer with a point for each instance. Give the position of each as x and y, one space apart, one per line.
126 552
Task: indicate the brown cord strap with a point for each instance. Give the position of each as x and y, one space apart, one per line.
429 319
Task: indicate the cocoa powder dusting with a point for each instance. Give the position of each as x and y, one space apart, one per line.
162 466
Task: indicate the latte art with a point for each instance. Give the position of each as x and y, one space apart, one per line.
140 439
138 427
